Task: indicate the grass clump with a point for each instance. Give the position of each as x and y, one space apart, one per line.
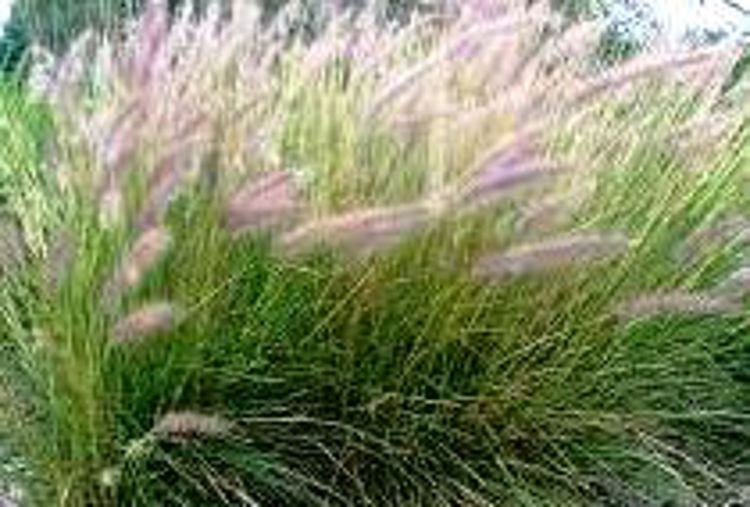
378 268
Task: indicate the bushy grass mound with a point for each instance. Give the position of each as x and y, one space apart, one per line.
445 265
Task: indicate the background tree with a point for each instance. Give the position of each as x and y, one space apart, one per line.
13 44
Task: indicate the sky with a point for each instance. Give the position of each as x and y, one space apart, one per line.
5 10
675 17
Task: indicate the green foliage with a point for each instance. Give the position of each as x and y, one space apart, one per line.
578 10
394 381
55 24
13 44
739 70
614 47
26 129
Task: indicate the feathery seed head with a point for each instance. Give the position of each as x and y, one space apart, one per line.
186 425
148 249
265 201
503 177
153 32
678 302
364 230
163 184
639 67
146 252
123 136
553 253
148 320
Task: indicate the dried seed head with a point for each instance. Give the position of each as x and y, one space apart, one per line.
148 320
363 230
678 302
186 425
560 251
265 201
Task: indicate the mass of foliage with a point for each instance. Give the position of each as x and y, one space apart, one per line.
449 262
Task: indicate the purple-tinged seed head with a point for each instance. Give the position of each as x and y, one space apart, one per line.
69 73
678 302
162 185
639 67
503 170
552 253
522 149
147 250
484 9
264 202
462 46
123 137
146 321
363 230
551 212
546 215
152 34
500 180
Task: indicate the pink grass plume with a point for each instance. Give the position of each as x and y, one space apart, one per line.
266 201
675 303
148 249
552 253
363 230
146 321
